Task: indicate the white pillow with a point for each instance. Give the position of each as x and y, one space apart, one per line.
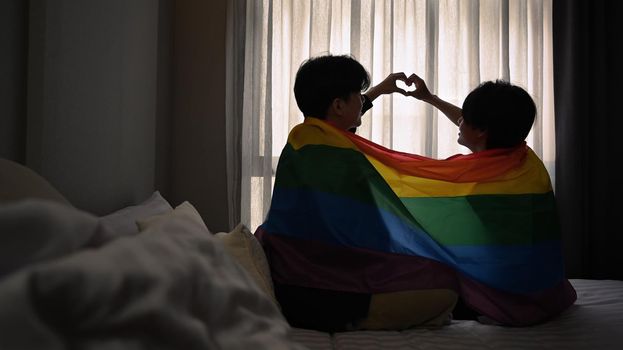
123 221
185 209
247 251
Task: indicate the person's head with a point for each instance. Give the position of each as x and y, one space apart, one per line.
329 88
496 114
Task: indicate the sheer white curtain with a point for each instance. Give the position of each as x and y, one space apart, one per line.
453 44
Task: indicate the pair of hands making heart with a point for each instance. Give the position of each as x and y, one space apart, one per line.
421 92
389 85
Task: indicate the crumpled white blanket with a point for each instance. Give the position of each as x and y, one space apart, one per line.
170 287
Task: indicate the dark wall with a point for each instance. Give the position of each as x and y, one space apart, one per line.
110 100
13 51
198 158
92 89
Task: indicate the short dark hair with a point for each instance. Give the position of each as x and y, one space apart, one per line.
322 79
504 110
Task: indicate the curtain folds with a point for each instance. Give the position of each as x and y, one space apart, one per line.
454 45
587 76
234 90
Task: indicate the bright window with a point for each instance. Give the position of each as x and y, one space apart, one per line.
453 44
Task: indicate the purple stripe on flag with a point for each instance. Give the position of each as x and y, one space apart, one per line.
319 265
516 309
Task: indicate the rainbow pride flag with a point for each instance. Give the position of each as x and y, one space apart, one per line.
350 215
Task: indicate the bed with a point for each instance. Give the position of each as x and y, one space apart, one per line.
595 321
151 276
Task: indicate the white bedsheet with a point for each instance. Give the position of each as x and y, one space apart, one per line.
172 286
594 322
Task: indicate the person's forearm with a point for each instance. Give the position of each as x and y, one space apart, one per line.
451 111
374 92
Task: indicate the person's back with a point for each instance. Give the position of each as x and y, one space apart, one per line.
326 88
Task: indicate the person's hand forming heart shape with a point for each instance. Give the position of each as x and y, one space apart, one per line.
398 82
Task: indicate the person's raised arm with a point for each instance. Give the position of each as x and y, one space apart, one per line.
422 93
387 86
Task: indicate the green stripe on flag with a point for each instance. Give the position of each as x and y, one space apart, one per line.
487 219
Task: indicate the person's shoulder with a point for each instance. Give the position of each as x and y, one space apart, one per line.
315 131
310 125
540 173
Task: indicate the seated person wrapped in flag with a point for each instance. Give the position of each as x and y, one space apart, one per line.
355 228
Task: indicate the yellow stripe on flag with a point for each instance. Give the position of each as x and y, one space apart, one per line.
529 178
